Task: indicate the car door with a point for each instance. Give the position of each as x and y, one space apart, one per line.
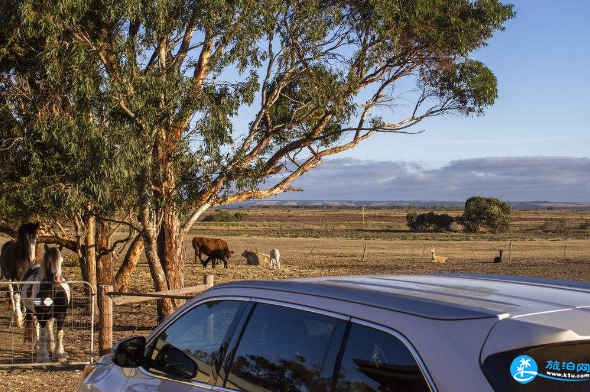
376 360
283 348
186 355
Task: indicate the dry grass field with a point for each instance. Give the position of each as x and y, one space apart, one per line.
320 242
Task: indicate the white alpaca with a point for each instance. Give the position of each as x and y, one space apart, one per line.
437 259
275 259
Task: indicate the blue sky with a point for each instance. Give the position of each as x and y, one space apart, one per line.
533 144
542 62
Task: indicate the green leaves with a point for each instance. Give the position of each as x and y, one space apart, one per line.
97 94
430 221
469 86
490 213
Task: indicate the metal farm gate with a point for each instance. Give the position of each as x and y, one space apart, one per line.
78 337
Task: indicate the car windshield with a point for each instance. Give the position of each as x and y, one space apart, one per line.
551 368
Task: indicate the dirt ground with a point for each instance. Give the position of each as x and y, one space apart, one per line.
309 252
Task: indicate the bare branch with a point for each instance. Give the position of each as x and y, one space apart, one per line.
8 231
193 218
129 224
185 46
106 251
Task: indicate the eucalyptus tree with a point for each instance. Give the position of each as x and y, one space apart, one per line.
486 212
233 100
65 171
62 157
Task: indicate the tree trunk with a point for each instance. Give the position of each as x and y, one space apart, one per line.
104 259
81 252
169 239
38 253
83 269
129 263
90 242
170 249
165 306
150 235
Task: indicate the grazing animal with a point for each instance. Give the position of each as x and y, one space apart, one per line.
438 259
251 257
498 259
255 258
216 255
275 259
46 302
205 246
15 258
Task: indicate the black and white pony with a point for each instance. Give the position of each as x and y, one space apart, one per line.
46 302
15 258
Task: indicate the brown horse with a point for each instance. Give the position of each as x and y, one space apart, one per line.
15 259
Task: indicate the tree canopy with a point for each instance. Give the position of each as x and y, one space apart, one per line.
172 106
490 213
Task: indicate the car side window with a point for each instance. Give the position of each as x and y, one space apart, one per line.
375 361
189 347
281 350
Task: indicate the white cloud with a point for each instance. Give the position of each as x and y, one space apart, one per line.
513 141
509 178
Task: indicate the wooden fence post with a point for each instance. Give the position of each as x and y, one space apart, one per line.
208 280
105 317
510 253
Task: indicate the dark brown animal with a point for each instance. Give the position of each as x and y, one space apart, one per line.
15 258
216 255
498 259
205 246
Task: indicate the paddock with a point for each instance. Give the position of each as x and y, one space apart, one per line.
304 257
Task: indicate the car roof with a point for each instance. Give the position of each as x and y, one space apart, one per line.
440 296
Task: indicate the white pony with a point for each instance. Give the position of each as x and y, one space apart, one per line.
275 259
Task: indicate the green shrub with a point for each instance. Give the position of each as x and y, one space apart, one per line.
557 226
411 220
220 216
226 216
429 221
240 216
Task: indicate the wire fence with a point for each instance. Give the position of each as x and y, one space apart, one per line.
78 335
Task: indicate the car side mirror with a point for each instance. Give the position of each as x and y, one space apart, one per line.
128 353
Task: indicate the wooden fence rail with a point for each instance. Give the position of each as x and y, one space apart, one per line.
107 298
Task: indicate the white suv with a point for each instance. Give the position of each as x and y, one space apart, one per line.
364 334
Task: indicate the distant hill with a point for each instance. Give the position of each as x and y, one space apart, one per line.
519 205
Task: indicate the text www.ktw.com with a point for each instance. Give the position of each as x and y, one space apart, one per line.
568 375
